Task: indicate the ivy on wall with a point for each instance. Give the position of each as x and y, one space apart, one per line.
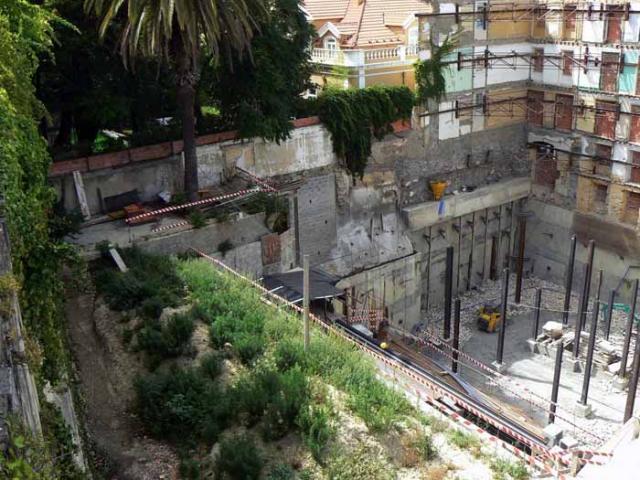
27 200
430 74
354 116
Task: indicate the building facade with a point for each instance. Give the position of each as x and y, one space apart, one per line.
365 42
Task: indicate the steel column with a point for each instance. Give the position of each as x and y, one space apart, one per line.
522 220
556 381
633 383
592 344
456 336
536 314
607 327
569 280
448 287
584 300
627 334
503 315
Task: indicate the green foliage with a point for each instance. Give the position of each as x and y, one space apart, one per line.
359 465
355 116
288 353
182 406
505 470
317 428
26 35
197 219
239 458
166 341
150 283
211 365
465 441
105 143
425 447
281 471
430 73
258 95
189 469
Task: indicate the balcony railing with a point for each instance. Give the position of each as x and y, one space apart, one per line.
357 58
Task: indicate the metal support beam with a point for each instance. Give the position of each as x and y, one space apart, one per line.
607 326
587 283
569 280
503 315
456 336
627 333
633 383
592 344
584 300
536 314
522 220
556 382
448 287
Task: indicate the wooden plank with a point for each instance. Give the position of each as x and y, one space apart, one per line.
82 196
118 259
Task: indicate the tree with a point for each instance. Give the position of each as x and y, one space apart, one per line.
259 96
173 32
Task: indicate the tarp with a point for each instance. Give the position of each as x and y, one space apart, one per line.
289 285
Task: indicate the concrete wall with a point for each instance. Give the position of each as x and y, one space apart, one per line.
317 218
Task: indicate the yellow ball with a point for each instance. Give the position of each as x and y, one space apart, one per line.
384 345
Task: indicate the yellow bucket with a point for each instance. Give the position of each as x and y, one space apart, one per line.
438 189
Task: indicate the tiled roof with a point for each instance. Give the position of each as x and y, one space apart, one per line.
367 23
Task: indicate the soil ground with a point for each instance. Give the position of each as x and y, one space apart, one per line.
106 372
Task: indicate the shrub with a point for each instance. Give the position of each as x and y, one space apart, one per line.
285 404
181 405
197 219
288 354
151 280
503 470
211 365
189 469
249 347
281 471
464 441
239 458
360 464
170 340
426 448
316 428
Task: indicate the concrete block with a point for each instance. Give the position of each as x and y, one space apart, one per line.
584 411
569 442
533 345
553 434
575 364
620 383
500 367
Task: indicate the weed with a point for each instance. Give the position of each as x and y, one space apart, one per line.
504 470
238 458
281 471
464 441
211 365
426 448
439 472
317 428
288 354
436 424
197 219
360 464
189 469
249 347
170 340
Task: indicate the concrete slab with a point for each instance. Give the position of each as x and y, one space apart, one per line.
583 411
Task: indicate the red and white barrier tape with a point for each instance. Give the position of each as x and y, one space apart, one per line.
260 181
198 203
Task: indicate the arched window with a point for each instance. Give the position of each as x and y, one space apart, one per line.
330 43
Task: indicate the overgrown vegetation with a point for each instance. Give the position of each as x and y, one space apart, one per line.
505 470
355 116
162 341
149 285
430 74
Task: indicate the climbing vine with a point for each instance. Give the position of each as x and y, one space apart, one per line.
430 73
355 116
27 200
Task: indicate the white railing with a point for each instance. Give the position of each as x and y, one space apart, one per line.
356 58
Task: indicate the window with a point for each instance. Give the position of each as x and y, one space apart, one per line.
635 167
569 21
609 71
330 43
603 160
606 118
567 62
564 112
413 37
634 130
600 194
632 208
614 20
546 166
535 107
538 59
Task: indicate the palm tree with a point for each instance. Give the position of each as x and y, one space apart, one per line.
175 31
